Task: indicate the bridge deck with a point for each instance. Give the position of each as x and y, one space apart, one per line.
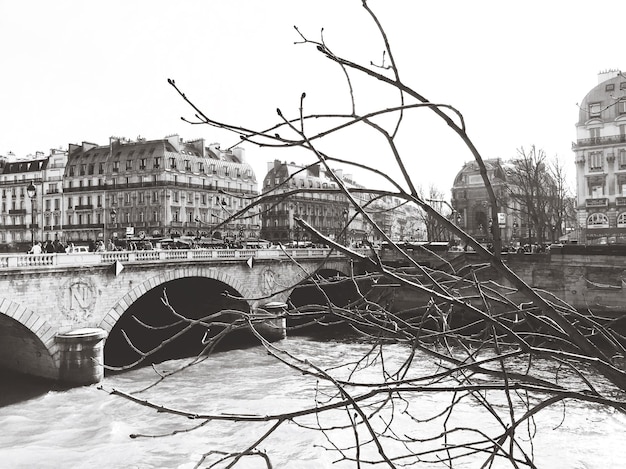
21 261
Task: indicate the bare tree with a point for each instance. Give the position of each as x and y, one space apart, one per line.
563 206
435 229
532 188
538 188
483 340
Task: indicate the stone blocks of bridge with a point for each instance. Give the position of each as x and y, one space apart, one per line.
81 356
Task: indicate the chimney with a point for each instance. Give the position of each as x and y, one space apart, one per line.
607 75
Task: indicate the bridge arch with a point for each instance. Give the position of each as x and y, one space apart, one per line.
142 330
131 296
27 342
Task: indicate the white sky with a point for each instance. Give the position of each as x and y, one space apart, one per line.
78 71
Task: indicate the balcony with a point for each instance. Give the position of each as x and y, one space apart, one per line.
596 141
18 211
83 207
620 201
603 202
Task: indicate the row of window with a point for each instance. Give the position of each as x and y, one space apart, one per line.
319 223
89 169
595 109
611 86
125 217
301 183
595 160
150 180
600 220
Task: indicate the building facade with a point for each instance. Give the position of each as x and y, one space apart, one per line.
600 157
305 192
128 189
472 208
156 188
313 195
21 202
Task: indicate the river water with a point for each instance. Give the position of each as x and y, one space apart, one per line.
89 428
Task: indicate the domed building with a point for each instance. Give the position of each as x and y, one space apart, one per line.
600 156
472 209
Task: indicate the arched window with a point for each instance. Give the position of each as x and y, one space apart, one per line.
597 220
621 220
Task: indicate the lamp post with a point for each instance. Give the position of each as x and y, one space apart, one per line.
113 217
345 225
31 190
198 223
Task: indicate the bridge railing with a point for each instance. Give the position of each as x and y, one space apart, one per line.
21 261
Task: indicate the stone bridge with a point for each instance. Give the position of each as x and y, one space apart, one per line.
56 310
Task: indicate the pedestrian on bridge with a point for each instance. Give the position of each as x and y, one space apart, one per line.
36 249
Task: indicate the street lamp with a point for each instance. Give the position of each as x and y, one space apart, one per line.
31 190
345 226
198 223
113 217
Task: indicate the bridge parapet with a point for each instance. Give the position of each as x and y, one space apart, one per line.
22 261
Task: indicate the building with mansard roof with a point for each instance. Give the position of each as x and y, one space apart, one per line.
156 188
310 193
600 156
20 208
297 191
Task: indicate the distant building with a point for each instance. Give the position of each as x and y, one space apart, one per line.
156 188
51 190
312 194
308 193
600 156
473 208
20 215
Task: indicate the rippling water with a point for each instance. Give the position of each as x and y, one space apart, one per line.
87 427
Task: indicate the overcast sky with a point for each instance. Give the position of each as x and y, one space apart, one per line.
78 71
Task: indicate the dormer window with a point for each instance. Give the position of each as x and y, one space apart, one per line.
595 110
609 87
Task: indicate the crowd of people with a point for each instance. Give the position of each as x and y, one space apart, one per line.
50 247
56 246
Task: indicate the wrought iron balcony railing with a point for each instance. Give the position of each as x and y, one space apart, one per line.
603 202
595 141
